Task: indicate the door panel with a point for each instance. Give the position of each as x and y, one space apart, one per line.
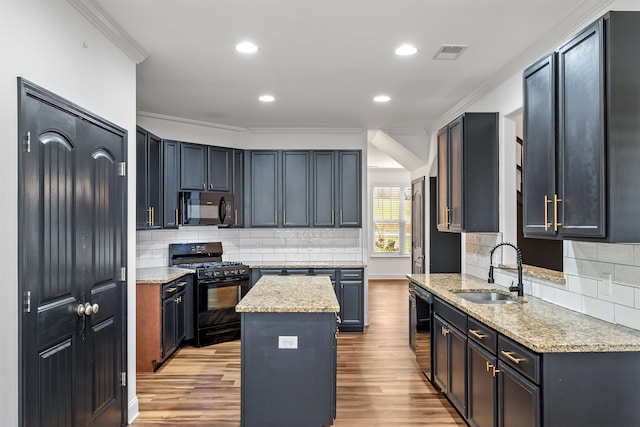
417 226
71 239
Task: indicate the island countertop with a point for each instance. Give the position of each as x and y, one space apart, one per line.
290 294
539 325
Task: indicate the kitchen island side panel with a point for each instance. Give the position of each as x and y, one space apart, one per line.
288 387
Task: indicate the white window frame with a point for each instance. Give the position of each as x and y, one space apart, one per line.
402 224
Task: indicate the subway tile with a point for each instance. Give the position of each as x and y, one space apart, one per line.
261 233
296 257
547 293
272 241
569 300
616 253
627 316
570 265
637 297
597 308
582 285
627 274
152 262
143 235
613 292
636 255
595 269
582 250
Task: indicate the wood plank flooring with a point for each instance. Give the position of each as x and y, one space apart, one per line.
378 382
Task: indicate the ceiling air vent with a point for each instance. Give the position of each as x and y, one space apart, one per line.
449 51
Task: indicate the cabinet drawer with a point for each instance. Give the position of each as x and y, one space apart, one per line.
482 334
171 289
523 360
323 272
351 274
451 314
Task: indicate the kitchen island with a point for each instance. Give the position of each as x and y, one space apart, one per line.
529 363
288 346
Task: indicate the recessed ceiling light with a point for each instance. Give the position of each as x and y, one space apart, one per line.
266 98
382 98
406 50
246 47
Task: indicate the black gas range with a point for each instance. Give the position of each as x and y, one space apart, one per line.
220 285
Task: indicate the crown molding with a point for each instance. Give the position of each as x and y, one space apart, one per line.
190 121
107 26
569 25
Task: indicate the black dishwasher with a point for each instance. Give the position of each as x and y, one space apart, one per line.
420 321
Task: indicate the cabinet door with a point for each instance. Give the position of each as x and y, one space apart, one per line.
181 316
581 138
351 310
456 175
482 386
193 167
441 353
539 165
295 189
324 178
349 189
264 194
443 180
142 208
171 158
220 168
518 400
168 326
413 322
238 187
458 369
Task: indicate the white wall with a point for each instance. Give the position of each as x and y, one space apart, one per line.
43 41
602 280
380 266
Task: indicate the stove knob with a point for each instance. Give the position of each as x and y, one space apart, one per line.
216 273
226 272
207 274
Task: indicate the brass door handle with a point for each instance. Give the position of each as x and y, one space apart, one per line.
510 355
182 284
556 224
171 290
176 217
477 334
547 224
332 216
445 331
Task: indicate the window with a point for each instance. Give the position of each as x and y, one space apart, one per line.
392 220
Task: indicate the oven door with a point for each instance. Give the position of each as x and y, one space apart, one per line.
217 303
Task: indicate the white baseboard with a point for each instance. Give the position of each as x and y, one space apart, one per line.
133 409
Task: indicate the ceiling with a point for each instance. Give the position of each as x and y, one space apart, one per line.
324 61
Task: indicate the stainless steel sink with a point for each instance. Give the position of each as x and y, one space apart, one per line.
487 297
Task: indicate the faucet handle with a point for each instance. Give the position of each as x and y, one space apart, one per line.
491 279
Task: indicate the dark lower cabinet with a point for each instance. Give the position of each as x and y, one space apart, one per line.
518 399
169 322
482 385
450 348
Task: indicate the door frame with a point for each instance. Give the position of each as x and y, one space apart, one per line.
29 89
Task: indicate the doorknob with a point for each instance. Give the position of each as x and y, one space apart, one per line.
87 309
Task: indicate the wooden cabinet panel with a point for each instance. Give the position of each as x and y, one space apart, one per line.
324 194
193 167
220 168
468 174
148 180
296 189
264 188
349 189
171 161
482 383
518 400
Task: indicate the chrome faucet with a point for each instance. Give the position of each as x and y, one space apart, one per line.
519 287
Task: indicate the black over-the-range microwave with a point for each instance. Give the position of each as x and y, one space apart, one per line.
204 208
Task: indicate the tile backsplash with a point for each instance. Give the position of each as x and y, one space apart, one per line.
602 279
258 246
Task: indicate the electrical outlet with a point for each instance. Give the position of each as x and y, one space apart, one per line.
288 342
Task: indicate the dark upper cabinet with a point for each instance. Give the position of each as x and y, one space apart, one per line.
193 167
468 174
295 195
238 187
263 172
304 188
148 180
205 168
349 189
171 181
595 153
324 192
220 169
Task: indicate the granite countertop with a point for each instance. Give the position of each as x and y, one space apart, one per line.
332 265
160 274
290 294
538 325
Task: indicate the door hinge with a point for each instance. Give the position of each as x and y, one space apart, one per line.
123 274
122 169
27 141
123 379
27 302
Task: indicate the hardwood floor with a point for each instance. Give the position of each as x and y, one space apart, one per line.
378 383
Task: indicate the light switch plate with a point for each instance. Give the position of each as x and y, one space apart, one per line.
288 342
